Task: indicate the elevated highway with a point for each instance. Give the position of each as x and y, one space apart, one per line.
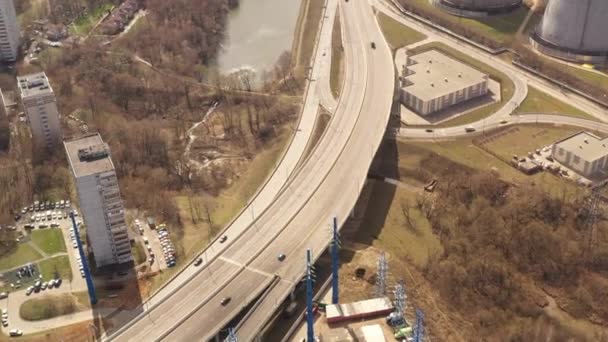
328 183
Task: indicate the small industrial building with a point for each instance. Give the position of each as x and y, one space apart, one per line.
432 81
584 153
358 310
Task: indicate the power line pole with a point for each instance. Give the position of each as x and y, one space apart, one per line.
400 300
231 335
381 276
335 248
419 328
590 223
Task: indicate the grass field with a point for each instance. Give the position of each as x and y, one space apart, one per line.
48 306
337 57
528 139
322 121
22 255
396 34
50 241
83 25
463 151
501 28
139 253
507 88
539 102
309 28
57 266
390 230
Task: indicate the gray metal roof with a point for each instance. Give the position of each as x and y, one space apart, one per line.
79 151
436 75
34 84
586 145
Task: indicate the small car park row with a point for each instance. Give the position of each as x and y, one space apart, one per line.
41 286
167 246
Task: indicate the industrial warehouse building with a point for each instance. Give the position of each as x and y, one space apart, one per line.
432 81
584 153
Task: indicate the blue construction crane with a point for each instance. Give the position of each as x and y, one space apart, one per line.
335 262
85 265
310 335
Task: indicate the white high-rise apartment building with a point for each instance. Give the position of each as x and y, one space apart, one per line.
9 32
100 200
40 106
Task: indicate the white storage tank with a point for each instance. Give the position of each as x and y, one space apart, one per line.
574 30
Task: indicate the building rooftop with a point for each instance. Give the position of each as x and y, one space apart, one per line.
585 145
370 307
88 155
436 75
34 84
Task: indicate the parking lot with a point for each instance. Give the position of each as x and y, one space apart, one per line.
158 247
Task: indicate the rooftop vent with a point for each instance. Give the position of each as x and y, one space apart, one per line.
93 152
432 84
446 80
459 75
586 141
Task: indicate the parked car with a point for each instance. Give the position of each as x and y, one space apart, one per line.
198 261
225 301
15 332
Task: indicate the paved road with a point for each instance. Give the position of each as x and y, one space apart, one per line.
300 215
515 73
273 185
298 218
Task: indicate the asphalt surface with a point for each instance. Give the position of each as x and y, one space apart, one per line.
328 183
299 217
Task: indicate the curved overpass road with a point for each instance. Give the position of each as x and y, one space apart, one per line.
327 184
496 62
267 194
535 118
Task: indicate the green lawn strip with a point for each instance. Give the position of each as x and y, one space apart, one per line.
23 254
49 241
507 88
84 24
337 55
404 236
500 28
464 151
396 34
54 267
539 102
139 253
309 31
48 306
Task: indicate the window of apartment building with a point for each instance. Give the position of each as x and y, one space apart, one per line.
576 159
560 151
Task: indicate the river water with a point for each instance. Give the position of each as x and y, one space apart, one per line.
259 31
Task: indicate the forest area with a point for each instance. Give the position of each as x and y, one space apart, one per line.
508 251
146 113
